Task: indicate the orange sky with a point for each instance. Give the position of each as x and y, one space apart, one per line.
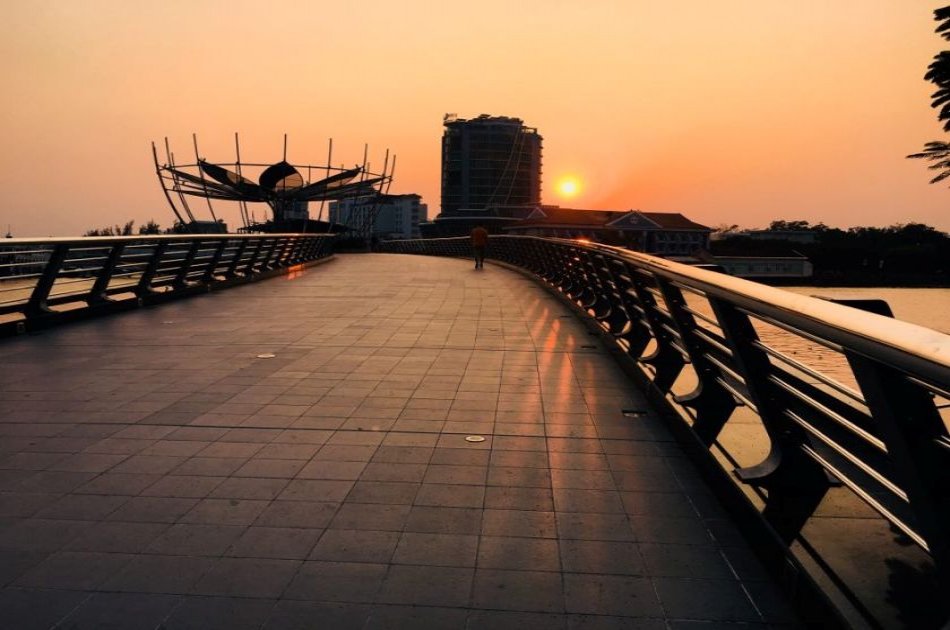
738 111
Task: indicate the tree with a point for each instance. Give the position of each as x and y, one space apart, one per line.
938 72
150 228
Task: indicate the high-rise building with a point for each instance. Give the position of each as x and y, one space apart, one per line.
489 162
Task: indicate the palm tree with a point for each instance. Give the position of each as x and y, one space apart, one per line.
939 153
938 73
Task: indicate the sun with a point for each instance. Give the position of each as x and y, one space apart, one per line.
568 187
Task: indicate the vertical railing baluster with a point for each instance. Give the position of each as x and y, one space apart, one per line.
209 273
181 278
911 426
144 287
232 271
795 482
37 304
710 401
97 294
665 360
249 266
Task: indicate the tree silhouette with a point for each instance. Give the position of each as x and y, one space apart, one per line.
938 72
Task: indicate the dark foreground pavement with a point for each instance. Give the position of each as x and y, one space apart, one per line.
159 470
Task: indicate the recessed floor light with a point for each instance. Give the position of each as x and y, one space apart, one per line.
475 438
266 355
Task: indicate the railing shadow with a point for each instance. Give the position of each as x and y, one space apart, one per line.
757 361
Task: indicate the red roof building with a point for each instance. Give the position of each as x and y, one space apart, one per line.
662 233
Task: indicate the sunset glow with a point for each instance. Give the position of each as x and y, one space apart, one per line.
734 113
568 187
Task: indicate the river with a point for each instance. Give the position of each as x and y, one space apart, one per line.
924 307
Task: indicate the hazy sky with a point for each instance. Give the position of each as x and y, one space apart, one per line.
737 111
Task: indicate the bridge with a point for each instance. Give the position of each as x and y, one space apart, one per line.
384 440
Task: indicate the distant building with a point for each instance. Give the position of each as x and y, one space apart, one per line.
489 161
792 236
792 266
662 233
392 216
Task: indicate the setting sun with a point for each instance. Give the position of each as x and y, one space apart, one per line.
568 187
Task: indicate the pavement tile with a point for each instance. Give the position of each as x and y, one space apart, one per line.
709 600
512 620
610 595
183 486
74 570
219 613
159 574
518 590
449 550
117 537
308 615
427 586
602 556
121 610
185 539
316 490
442 495
442 520
371 516
524 554
391 617
354 545
288 543
83 507
354 582
36 534
392 492
307 514
35 609
248 488
247 577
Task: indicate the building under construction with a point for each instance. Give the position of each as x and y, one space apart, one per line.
491 173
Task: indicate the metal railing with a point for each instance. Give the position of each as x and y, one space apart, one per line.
875 427
43 281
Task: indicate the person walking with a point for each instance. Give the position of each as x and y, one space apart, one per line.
479 243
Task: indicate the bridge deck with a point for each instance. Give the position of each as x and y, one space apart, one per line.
156 470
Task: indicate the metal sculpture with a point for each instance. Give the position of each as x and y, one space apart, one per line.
282 186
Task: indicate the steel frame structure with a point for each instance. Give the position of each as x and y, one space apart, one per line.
280 185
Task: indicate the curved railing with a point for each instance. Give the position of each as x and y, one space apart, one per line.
43 281
874 427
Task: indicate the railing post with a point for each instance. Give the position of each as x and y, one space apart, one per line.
796 483
144 287
911 427
710 400
666 360
97 294
249 267
236 260
208 276
268 259
283 259
181 279
44 284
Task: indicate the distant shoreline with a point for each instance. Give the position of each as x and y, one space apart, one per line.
861 281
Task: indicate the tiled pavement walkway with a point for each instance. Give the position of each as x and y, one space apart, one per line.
156 472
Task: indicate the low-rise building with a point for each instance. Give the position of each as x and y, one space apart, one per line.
764 267
662 233
385 217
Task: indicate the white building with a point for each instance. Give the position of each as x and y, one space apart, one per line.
391 216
